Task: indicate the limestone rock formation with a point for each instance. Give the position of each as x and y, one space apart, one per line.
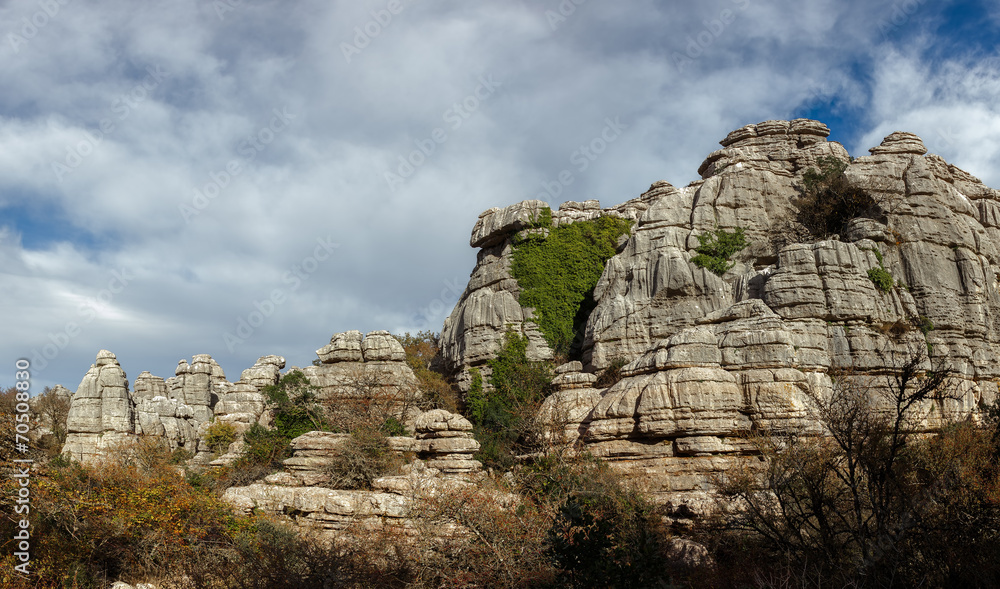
566 414
710 358
441 459
104 413
446 442
373 367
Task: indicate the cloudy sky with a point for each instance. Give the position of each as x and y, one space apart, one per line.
247 177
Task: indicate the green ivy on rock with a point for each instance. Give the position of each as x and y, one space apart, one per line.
557 274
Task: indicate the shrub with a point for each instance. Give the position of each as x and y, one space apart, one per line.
219 436
293 403
557 275
504 415
854 505
715 249
423 355
881 278
603 533
364 457
612 374
829 201
543 220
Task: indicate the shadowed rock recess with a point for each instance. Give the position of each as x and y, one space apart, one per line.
703 359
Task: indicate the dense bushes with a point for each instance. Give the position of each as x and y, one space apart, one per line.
219 436
503 414
557 275
873 504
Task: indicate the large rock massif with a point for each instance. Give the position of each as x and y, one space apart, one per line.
704 359
708 359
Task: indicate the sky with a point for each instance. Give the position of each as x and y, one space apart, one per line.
243 178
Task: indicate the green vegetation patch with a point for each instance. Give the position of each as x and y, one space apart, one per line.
557 274
504 416
714 249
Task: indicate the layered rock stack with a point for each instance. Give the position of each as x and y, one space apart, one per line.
446 442
101 414
371 367
302 490
311 455
242 403
566 413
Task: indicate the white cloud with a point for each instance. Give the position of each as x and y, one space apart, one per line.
323 176
951 105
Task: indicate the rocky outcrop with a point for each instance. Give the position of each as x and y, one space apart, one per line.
446 443
101 413
104 413
371 368
566 414
488 307
711 358
440 459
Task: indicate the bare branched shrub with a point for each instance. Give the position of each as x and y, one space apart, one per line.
372 399
364 457
840 505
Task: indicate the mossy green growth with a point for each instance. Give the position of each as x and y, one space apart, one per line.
715 248
881 278
557 274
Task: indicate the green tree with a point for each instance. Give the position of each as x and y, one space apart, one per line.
293 402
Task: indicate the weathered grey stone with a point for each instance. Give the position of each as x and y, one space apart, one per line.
343 347
380 346
496 225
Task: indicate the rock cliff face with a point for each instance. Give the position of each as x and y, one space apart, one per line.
710 358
